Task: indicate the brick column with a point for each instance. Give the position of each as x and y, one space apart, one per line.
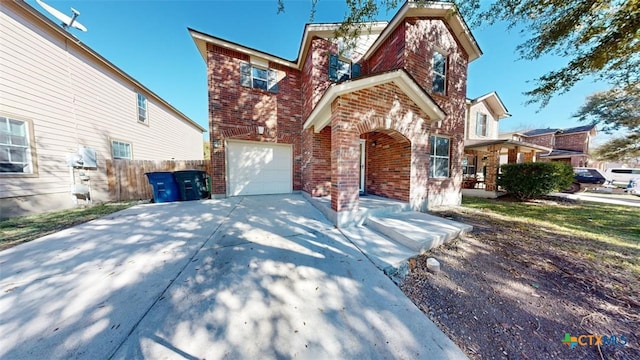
512 156
345 161
493 162
218 166
418 192
528 156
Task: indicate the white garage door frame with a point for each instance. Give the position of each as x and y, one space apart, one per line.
230 143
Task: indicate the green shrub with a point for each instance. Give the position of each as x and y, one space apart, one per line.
535 179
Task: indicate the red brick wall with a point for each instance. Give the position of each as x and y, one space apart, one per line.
423 37
316 161
388 166
235 112
390 55
381 108
315 73
575 142
344 157
542 140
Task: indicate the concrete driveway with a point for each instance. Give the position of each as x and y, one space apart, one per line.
242 278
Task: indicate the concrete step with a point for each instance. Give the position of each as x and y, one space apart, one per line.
382 251
417 231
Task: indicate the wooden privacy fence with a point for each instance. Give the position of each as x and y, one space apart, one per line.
126 179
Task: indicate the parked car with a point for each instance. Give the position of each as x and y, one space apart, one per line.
585 177
634 186
622 176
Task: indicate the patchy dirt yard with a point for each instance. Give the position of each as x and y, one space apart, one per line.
514 287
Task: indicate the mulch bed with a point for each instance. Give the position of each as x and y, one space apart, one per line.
510 292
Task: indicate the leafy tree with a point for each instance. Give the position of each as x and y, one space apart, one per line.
614 110
598 38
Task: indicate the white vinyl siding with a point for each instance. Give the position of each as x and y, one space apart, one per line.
478 112
70 100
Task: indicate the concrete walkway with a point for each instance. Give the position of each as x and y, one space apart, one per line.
256 277
612 199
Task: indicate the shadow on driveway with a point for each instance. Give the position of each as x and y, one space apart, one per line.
254 277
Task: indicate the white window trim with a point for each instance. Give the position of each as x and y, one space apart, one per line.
139 108
113 155
435 73
479 115
268 80
434 156
30 157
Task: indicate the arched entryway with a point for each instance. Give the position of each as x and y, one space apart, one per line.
385 164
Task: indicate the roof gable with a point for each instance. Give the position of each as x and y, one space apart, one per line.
373 35
494 103
321 114
447 11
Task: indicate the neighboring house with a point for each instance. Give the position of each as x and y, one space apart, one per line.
59 99
385 118
568 145
485 148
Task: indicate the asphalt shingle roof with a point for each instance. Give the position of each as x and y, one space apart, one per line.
539 132
576 129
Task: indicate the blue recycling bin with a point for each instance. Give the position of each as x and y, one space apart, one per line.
165 187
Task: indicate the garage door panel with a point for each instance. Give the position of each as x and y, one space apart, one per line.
258 168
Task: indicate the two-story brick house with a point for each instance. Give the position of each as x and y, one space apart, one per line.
385 118
485 148
570 145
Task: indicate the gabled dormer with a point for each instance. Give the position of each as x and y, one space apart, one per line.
483 115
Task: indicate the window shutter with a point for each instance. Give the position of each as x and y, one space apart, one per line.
245 74
355 70
333 67
273 81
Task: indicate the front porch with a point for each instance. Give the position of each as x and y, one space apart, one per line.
481 165
370 136
368 205
389 233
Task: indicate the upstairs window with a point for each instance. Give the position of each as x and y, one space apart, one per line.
142 108
258 77
120 150
438 157
439 84
15 151
341 70
481 124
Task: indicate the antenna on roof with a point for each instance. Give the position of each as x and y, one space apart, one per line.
67 21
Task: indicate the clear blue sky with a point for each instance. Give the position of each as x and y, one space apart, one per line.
148 39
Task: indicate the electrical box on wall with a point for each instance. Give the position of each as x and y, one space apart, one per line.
84 158
88 156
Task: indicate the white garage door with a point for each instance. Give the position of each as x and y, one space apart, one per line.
257 168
